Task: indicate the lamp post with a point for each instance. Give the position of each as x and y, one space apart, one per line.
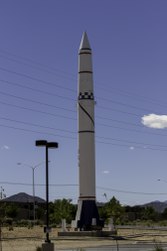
33 183
47 145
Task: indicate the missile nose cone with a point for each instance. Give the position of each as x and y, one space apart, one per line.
84 45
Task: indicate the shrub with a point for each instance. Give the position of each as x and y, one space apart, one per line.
157 247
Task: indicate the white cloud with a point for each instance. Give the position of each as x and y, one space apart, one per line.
154 121
5 147
106 172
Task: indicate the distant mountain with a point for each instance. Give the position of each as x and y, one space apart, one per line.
157 205
23 198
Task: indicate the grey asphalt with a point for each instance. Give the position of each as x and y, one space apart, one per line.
134 247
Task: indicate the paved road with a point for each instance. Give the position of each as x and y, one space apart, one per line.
134 247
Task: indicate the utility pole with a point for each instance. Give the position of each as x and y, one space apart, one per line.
33 184
0 235
2 196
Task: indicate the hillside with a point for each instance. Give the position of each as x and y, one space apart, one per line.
157 205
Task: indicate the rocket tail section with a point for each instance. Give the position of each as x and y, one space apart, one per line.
87 217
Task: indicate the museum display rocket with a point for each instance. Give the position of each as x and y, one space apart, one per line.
87 213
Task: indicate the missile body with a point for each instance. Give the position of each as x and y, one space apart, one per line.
86 130
87 209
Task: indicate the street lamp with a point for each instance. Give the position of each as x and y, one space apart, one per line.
47 145
33 182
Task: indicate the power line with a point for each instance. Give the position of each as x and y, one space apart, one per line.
99 117
129 192
67 98
73 132
34 101
38 111
76 185
66 117
132 130
37 125
123 92
124 104
49 105
35 62
37 67
74 138
33 131
69 89
131 94
131 142
117 110
128 146
37 184
71 118
37 90
104 118
36 79
118 121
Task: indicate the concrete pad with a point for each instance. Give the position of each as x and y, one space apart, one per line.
88 233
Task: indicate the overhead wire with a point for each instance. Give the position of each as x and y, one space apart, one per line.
74 132
149 146
33 62
99 117
44 67
38 90
76 185
35 110
66 117
134 147
33 131
74 138
35 101
132 95
123 104
133 130
36 79
36 125
72 118
66 109
37 67
70 89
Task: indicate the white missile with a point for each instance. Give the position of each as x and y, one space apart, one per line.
87 209
86 122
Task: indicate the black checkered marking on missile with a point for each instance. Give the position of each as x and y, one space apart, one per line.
86 95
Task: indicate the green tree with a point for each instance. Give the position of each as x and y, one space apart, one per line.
103 213
149 213
11 211
62 209
114 209
164 214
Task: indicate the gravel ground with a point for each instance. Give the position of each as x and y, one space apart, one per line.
24 239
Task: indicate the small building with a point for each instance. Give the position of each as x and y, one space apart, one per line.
23 206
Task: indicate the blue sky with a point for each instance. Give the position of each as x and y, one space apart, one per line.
38 80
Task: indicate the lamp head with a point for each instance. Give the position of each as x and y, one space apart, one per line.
52 145
40 142
47 144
